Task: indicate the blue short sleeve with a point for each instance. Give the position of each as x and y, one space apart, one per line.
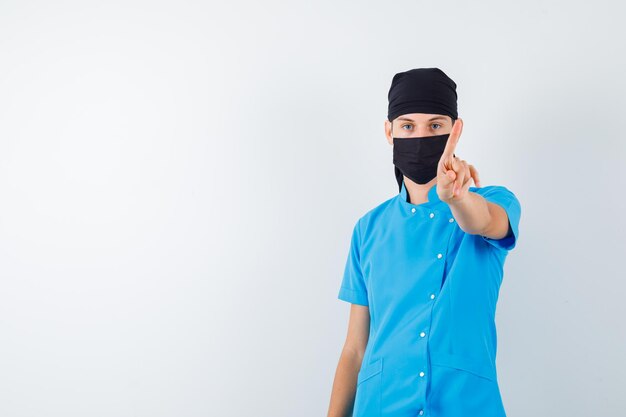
503 197
353 289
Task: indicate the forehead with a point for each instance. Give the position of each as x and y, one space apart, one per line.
421 117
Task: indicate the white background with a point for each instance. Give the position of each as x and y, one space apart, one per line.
179 181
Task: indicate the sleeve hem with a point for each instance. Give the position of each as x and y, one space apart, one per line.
508 242
352 296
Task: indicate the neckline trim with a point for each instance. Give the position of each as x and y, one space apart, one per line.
433 198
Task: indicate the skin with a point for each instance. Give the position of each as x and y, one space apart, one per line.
471 211
473 214
344 386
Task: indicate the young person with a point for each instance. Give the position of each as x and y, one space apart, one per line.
424 270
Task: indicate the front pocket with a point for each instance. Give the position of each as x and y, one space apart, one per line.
457 389
367 402
370 370
476 367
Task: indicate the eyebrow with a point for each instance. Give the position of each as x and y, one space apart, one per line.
430 120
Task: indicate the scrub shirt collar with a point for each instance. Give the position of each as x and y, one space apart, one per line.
433 199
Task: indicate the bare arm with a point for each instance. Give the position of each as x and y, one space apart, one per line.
344 385
472 212
475 215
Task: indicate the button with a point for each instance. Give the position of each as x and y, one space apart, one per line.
421 412
432 215
451 219
439 255
422 334
413 210
421 374
432 296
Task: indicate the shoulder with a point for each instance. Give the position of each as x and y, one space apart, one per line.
491 189
374 215
498 194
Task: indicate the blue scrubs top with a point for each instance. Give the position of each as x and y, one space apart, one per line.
432 290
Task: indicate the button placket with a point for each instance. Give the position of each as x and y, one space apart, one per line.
422 374
434 216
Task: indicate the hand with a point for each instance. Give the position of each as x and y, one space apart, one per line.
454 175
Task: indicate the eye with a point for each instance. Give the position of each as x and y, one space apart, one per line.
403 126
436 124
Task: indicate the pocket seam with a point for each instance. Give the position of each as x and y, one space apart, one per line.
461 363
369 371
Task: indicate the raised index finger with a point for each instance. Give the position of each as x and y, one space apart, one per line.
453 139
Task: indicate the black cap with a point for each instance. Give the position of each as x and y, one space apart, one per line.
422 90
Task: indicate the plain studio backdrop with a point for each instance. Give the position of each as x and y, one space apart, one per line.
179 181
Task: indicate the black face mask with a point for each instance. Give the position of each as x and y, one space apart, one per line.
418 157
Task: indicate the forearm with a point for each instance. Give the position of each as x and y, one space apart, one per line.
344 386
471 213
